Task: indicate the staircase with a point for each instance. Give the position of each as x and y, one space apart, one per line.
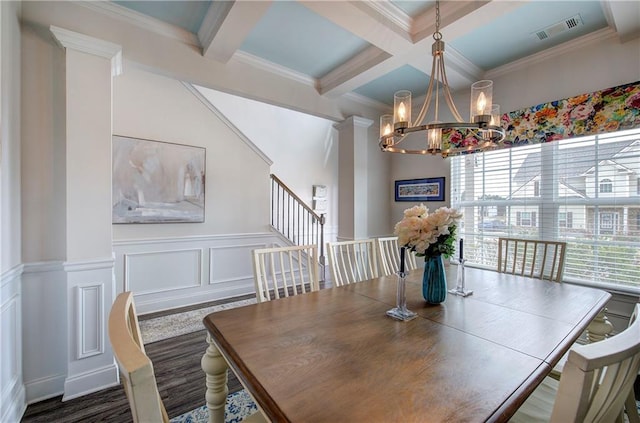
295 220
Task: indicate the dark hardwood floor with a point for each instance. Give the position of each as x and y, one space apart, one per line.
180 379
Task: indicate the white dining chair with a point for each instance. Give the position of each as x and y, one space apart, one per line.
353 261
595 385
136 368
533 258
389 256
284 271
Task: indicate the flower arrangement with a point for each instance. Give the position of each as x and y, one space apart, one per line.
428 234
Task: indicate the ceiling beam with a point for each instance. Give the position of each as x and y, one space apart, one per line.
226 25
456 18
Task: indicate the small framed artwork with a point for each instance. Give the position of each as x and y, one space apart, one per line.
320 205
428 189
319 191
157 182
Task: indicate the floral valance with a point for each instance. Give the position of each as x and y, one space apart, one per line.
608 110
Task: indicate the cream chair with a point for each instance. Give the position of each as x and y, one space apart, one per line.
136 370
284 271
533 258
135 367
595 383
389 256
352 261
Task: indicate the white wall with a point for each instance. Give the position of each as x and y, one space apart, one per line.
10 255
172 265
12 393
154 107
303 148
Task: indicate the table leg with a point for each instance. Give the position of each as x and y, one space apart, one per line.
215 367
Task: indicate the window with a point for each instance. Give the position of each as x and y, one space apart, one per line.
602 231
606 185
565 220
608 223
526 218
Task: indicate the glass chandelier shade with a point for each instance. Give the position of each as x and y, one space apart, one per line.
483 125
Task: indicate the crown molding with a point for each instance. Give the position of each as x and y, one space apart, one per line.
352 121
559 50
265 65
142 21
86 44
392 13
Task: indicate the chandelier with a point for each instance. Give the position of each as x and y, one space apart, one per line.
483 130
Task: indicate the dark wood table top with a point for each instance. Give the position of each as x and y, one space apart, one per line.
334 356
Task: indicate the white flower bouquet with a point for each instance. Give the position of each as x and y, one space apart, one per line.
428 234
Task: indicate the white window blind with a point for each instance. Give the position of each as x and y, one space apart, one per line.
582 190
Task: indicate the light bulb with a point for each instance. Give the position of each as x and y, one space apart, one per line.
481 104
402 113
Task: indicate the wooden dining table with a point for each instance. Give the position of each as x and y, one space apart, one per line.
335 356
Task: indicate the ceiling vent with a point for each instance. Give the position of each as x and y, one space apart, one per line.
560 27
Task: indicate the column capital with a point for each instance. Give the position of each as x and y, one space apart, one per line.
353 121
86 44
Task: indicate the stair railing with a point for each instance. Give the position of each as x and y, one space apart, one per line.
295 220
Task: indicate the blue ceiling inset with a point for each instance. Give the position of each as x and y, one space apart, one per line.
512 36
303 42
405 78
184 14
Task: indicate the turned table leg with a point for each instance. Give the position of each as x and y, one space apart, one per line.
215 367
600 328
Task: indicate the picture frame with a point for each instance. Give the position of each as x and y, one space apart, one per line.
426 189
157 181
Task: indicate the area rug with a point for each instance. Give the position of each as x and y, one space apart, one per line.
165 327
239 406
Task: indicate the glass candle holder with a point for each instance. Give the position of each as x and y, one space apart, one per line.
460 288
481 101
401 109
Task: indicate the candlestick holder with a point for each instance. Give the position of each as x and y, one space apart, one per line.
460 291
400 311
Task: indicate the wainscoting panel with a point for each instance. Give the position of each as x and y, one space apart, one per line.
159 271
167 273
220 272
91 324
12 397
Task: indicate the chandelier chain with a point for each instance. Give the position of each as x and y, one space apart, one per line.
437 35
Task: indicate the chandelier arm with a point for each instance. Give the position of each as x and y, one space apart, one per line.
450 103
427 100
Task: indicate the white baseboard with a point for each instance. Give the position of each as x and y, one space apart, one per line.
90 382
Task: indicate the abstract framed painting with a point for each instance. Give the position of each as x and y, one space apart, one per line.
157 182
428 189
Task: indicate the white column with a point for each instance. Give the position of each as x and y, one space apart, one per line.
90 64
352 177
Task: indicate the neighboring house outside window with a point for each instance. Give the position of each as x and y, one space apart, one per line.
608 223
526 218
565 220
606 185
579 190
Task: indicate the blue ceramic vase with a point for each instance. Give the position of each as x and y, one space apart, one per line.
434 280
